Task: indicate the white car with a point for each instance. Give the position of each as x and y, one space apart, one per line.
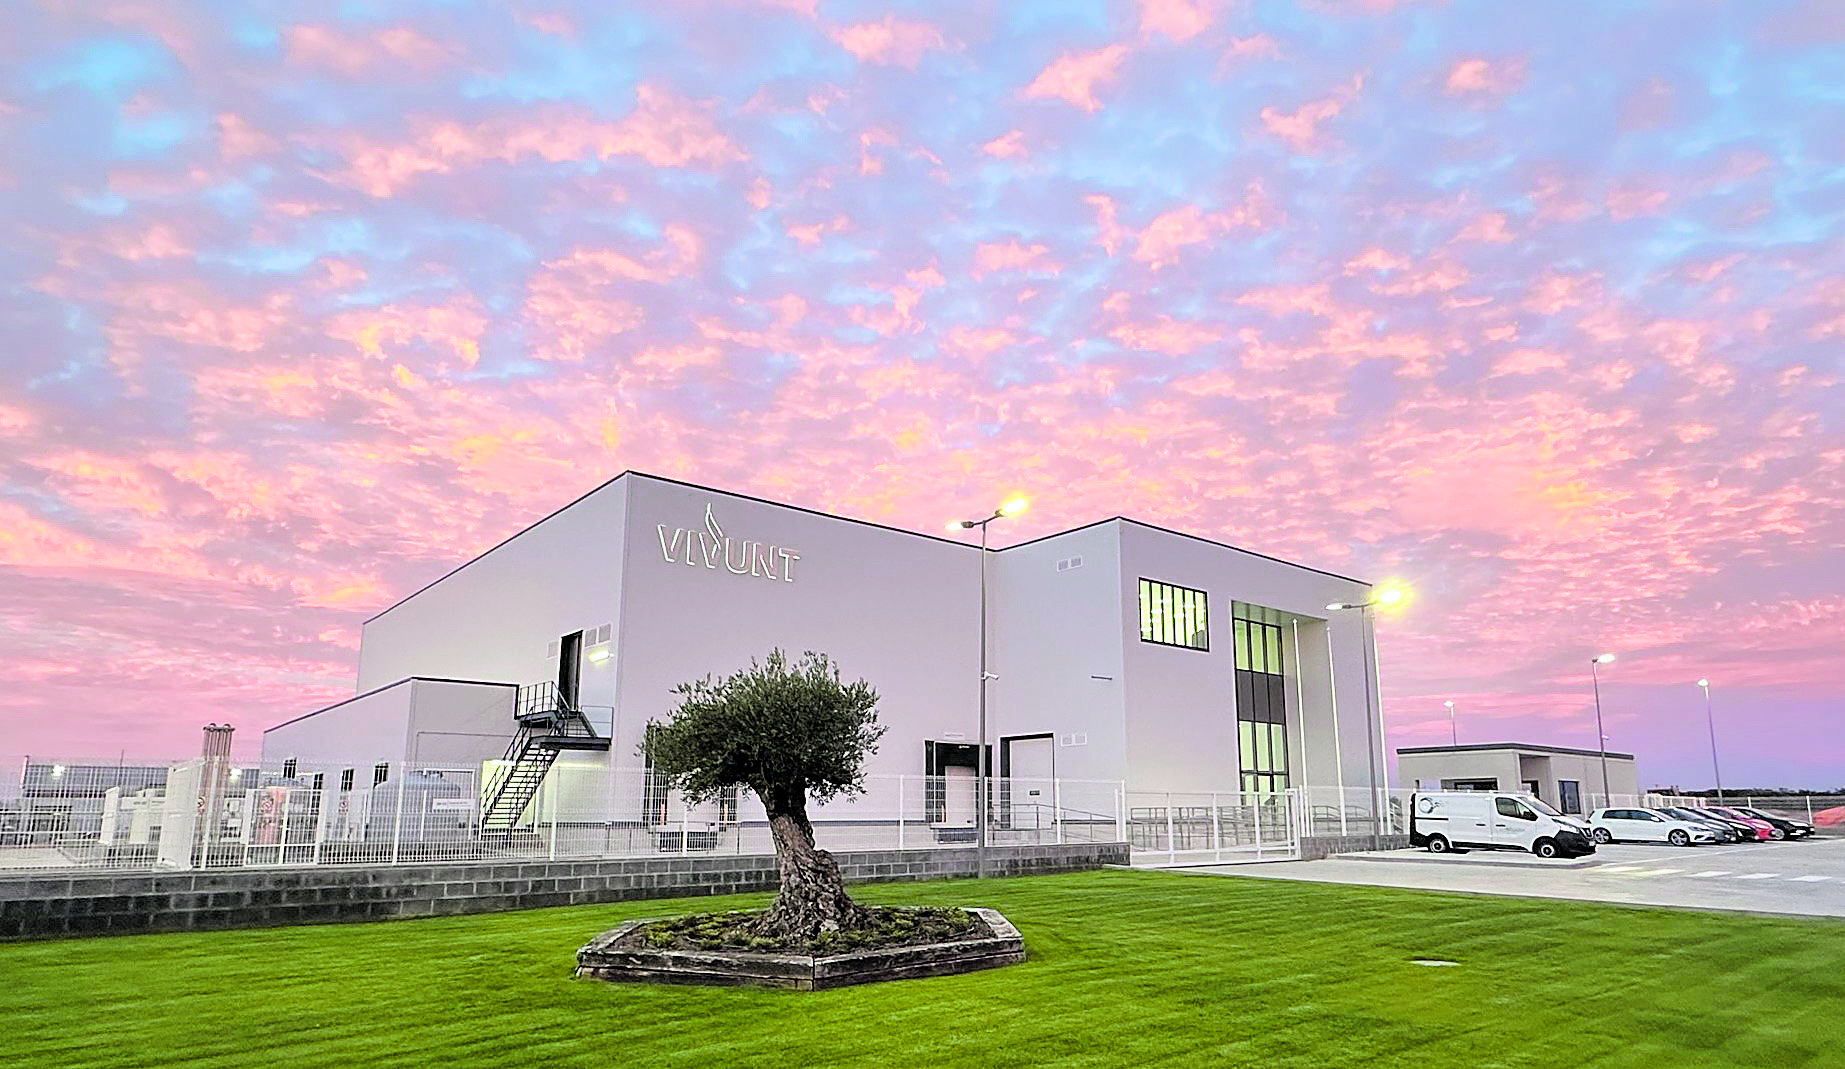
1646 826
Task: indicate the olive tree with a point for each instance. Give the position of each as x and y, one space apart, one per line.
791 733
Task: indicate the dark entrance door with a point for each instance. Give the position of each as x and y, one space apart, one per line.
569 669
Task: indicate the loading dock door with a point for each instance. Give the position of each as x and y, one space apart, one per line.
958 796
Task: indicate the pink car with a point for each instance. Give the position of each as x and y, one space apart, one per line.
1764 831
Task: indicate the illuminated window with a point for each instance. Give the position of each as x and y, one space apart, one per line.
1173 616
1261 698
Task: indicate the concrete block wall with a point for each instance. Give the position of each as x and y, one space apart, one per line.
1315 847
39 907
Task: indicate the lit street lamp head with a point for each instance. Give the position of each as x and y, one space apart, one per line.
1450 705
1705 683
1605 658
1013 507
1388 596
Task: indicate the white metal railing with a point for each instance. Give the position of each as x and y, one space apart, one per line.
194 814
1203 827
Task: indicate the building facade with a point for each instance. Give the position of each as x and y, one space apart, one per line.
1567 778
1117 651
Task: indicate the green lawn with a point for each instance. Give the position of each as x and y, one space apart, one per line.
1126 969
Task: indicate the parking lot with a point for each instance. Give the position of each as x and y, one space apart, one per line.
1805 878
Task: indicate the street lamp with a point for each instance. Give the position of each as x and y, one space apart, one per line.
1454 733
1711 721
1389 595
1012 507
1601 738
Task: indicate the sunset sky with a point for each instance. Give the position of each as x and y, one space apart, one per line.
1536 307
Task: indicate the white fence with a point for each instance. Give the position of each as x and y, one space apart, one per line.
77 815
1212 827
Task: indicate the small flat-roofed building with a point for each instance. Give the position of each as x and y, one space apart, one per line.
1566 777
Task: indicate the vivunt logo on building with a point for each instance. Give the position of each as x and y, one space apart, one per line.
712 548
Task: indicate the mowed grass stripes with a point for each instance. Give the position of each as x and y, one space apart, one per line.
1126 969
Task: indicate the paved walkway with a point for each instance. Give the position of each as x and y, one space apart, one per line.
1795 878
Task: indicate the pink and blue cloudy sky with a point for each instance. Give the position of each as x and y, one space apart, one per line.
1537 306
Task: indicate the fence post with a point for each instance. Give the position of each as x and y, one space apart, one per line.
1217 831
551 805
1172 844
1809 809
1258 809
1057 808
685 833
1121 812
397 819
900 780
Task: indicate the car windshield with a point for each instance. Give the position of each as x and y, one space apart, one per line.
1541 806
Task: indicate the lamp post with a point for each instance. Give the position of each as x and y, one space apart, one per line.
1387 596
1010 508
1454 734
1711 721
1601 739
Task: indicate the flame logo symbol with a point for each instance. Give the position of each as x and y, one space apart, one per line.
711 525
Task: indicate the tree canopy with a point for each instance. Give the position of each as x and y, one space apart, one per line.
788 731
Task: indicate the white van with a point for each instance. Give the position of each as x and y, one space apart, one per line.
1489 820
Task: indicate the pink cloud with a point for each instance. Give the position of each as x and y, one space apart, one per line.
1073 78
1300 128
1109 231
1484 77
893 41
1007 146
1166 335
664 129
1528 362
1488 227
365 53
1180 20
1012 256
1633 200
1161 243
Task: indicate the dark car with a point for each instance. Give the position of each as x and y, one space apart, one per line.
1784 827
1726 832
1745 832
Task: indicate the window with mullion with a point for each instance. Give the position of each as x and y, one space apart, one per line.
1173 616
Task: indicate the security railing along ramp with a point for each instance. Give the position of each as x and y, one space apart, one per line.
548 725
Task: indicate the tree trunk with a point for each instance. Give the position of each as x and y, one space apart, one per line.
813 896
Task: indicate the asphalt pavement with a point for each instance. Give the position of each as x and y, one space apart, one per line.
1800 878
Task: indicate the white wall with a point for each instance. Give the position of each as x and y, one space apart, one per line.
493 618
1181 702
425 722
365 729
1053 632
458 725
894 608
1511 766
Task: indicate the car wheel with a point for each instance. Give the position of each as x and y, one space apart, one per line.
1679 837
1603 836
1545 848
1777 834
1438 844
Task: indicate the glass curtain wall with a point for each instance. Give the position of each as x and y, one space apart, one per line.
1261 698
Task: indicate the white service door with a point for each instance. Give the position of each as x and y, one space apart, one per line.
1030 771
958 796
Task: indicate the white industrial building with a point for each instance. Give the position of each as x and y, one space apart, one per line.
1568 778
1119 652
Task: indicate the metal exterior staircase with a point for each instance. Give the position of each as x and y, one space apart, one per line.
548 725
